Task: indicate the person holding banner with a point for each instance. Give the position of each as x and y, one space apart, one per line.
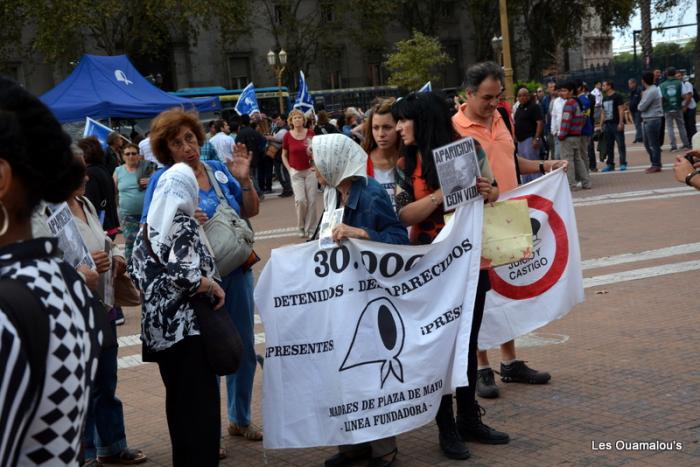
304 183
340 165
424 124
479 119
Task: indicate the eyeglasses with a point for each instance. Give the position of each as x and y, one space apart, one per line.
131 153
178 144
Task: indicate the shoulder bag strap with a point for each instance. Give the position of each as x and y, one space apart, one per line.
215 183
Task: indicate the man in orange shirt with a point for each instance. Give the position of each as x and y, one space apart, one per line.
479 119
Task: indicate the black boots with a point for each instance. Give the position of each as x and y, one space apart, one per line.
450 442
471 428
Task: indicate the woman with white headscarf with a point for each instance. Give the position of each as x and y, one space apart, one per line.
171 263
341 168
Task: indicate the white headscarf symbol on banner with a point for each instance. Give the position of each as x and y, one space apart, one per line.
337 157
177 190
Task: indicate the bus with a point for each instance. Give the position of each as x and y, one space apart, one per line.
268 98
336 100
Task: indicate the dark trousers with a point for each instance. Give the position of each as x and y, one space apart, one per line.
283 175
467 395
265 173
612 135
104 425
652 128
191 404
689 120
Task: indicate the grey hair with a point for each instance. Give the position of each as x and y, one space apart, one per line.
476 74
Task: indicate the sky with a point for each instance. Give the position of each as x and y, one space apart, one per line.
622 39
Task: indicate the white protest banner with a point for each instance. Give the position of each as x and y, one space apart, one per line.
457 168
363 340
528 294
63 227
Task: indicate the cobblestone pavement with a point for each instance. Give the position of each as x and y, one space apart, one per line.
624 363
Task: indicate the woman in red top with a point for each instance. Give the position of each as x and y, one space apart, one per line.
304 184
424 123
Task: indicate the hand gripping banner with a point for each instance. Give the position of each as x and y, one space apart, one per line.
364 339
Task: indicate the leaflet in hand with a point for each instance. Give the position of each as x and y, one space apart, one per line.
64 228
329 220
457 168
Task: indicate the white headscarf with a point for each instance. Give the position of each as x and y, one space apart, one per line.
337 158
177 190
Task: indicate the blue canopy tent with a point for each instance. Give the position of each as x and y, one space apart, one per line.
110 86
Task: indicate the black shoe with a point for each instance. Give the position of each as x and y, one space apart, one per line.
518 372
451 444
381 462
342 459
486 384
285 194
471 428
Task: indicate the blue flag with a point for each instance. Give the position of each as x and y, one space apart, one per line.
247 102
304 100
98 130
427 87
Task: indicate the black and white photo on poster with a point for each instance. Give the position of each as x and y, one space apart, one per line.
63 227
457 168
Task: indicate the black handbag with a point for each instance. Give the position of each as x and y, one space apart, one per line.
222 342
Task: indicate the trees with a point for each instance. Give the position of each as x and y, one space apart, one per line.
415 61
61 28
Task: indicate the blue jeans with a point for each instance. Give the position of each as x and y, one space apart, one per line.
104 425
612 134
240 306
652 128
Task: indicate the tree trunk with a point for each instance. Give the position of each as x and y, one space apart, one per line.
645 36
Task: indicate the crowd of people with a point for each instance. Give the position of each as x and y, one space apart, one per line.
166 193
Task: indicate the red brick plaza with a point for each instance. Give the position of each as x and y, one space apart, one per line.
625 364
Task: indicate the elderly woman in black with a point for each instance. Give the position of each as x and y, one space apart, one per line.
45 402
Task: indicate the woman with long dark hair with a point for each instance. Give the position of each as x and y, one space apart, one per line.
382 146
424 123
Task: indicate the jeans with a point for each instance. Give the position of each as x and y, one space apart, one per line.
526 150
676 116
637 117
652 128
104 425
191 404
611 135
240 307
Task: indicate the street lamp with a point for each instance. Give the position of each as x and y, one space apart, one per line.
272 60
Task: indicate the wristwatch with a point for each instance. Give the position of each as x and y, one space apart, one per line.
690 176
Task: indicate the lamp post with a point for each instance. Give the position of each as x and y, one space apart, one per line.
505 34
272 60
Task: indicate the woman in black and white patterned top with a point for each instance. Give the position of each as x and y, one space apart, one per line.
43 400
170 264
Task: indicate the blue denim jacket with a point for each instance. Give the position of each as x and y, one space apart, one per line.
369 208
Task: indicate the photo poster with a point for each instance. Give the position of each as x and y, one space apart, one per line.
328 221
457 167
63 227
